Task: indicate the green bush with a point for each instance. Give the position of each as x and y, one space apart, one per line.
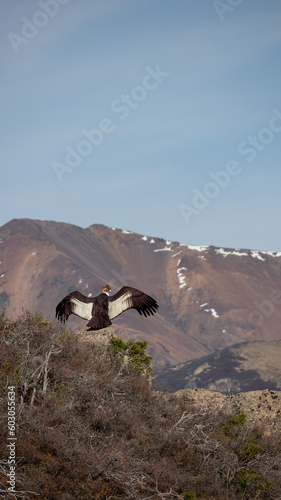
249 484
249 451
233 424
133 352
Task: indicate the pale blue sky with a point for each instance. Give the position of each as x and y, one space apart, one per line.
176 89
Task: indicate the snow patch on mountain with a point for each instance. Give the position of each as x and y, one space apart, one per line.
198 248
256 255
272 254
175 254
180 275
225 253
213 312
165 249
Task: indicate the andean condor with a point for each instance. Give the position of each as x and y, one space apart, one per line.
100 310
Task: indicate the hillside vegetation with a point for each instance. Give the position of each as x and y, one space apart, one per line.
89 425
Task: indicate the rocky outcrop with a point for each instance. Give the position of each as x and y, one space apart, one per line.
99 338
262 408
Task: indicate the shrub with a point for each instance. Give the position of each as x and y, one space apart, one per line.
249 484
249 451
133 352
233 424
87 428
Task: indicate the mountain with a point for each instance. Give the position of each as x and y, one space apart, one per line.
245 367
210 298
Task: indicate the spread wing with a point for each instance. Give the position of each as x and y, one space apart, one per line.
131 298
74 303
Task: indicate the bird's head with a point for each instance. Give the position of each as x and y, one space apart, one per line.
106 289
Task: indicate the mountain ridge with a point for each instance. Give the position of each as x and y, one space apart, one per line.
244 367
209 297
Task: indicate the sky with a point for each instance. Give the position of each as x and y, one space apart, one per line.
161 117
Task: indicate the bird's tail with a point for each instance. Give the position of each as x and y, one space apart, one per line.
63 309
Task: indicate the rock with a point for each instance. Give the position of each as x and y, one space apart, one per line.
262 408
99 338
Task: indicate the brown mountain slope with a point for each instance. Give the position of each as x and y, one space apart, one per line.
209 298
248 366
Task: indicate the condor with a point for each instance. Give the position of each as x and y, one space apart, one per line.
100 310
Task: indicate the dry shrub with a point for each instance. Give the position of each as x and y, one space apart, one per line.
88 427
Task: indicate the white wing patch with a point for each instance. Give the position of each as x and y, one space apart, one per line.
81 309
120 305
